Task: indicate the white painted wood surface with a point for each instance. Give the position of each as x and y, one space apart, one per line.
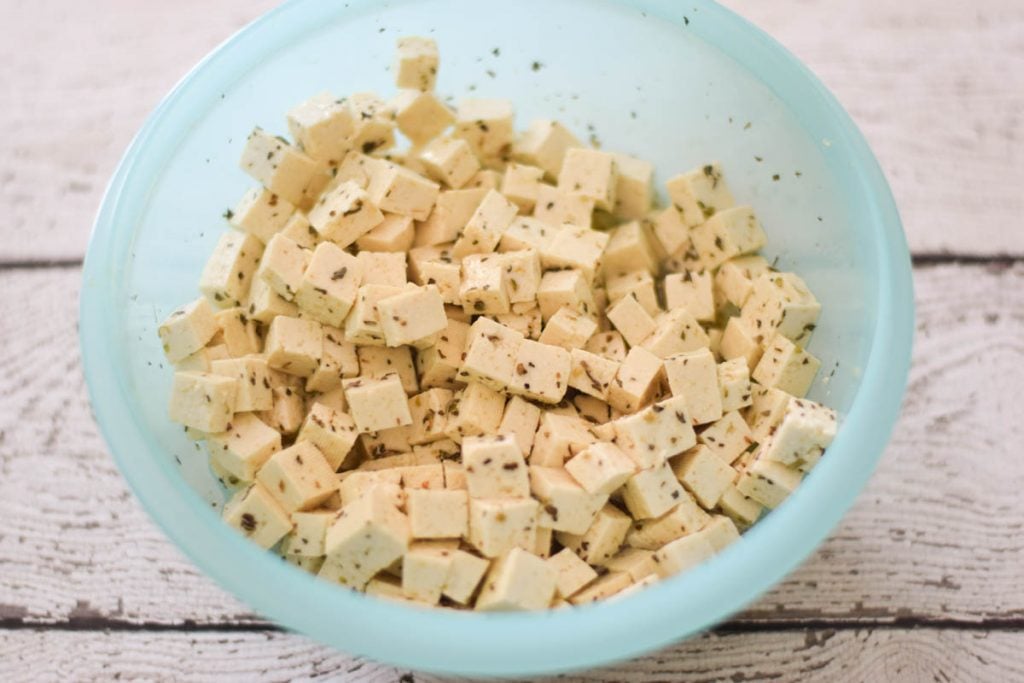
937 87
805 655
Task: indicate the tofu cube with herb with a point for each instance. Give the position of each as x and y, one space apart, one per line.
395 234
602 540
484 288
576 247
520 420
670 231
699 194
429 412
564 289
368 535
735 278
640 284
298 477
437 513
651 492
425 568
251 374
786 366
450 214
806 430
264 304
344 214
242 448
544 144
558 438
565 504
323 126
638 381
742 510
686 517
526 232
362 325
693 376
676 331
728 438
187 329
332 432
569 329
655 433
202 401
739 342
692 292
434 265
631 320
601 468
329 285
495 467
498 525
682 554
294 346
518 581
572 572
257 516
520 185
416 63
474 411
486 124
439 363
229 271
728 234
592 374
413 317
633 189
541 372
630 248
608 344
768 482
590 173
281 168
704 474
283 265
734 381
377 404
450 161
420 115
491 350
261 214
484 229
396 189
307 538
781 303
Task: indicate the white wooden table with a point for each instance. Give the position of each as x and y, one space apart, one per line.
924 579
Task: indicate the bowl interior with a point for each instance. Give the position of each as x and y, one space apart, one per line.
675 85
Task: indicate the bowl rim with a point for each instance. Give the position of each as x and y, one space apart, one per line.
535 643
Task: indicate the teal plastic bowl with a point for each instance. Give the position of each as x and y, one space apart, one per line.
676 83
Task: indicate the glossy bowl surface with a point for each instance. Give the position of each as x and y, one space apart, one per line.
676 83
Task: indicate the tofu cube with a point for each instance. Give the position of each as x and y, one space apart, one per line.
466 572
638 381
332 432
577 247
768 482
377 403
294 346
429 412
243 447
569 329
439 363
786 366
395 234
491 350
495 467
307 538
629 249
565 505
782 303
229 271
682 554
264 304
520 184
685 518
768 405
450 161
592 374
280 167
345 214
612 583
652 492
421 116
670 231
288 411
728 234
522 275
541 372
354 484
435 266
556 207
253 390
187 329
238 332
602 540
676 331
451 212
564 289
283 265
484 228
728 438
655 433
601 468
298 477
499 525
595 411
692 292
636 562
362 325
704 474
323 126
368 535
693 376
544 144
806 430
375 127
526 232
739 342
396 189
608 344
590 173
257 516
474 411
633 188
376 362
425 568
572 572
720 532
485 285
518 581
742 510
329 285
382 268
416 62
734 381
437 513
638 283
631 319
734 280
699 194
202 401
520 420
486 124
559 438
414 316
261 214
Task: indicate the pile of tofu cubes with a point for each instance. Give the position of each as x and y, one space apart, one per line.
486 372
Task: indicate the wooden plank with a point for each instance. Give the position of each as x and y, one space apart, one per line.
937 534
938 90
800 655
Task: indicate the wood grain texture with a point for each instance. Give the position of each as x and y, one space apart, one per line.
938 88
937 534
909 656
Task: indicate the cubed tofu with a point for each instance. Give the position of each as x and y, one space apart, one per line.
414 316
362 325
559 438
495 467
332 432
609 344
474 411
728 438
734 280
490 355
484 228
425 569
396 189
355 167
742 510
282 267
382 268
243 447
329 286
454 472
376 362
485 286
601 468
229 271
590 173
307 537
487 179
572 572
638 381
421 116
261 214
294 346
451 212
640 284
592 374
781 303
544 145
672 235
466 572
685 518
602 540
257 516
766 410
610 584
264 304
633 190
450 161
676 331
433 265
518 581
565 504
438 513
704 474
416 63
786 366
728 234
394 234
299 477
522 274
693 376
652 492
202 401
203 359
520 184
368 535
354 484
734 382
768 482
699 194
630 249
486 124
498 525
720 532
682 554
636 562
238 332
526 232
564 289
187 329
439 363
738 342
631 319
374 125
541 372
569 329
520 420
429 412
577 247
345 214
253 390
692 292
377 404
323 126
655 433
806 430
280 167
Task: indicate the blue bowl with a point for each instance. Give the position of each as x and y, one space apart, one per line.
676 83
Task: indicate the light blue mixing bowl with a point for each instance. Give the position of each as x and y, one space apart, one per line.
676 83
